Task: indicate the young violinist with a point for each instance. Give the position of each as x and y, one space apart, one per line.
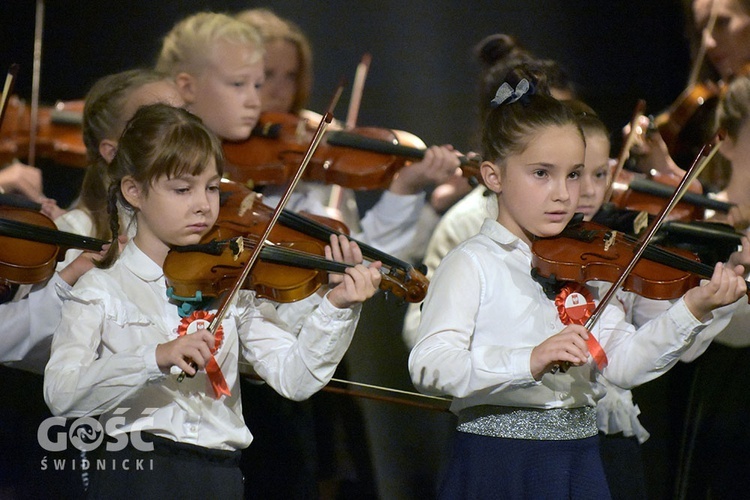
109 104
400 222
714 459
390 225
526 428
121 343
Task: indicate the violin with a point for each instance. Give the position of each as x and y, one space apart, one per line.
586 251
31 245
694 106
647 193
58 135
291 266
360 158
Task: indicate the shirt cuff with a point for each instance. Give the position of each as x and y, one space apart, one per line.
148 354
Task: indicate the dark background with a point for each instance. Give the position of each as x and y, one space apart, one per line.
422 78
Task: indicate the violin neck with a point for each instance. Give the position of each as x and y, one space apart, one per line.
286 256
358 141
40 234
312 228
662 190
18 201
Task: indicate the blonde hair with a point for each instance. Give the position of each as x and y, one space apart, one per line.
272 28
187 47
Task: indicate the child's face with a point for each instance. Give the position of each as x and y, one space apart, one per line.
176 211
728 44
594 176
282 69
539 188
225 95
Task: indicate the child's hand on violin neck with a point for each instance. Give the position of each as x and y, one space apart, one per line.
183 351
565 348
727 285
359 283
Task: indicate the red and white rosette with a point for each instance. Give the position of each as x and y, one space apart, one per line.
575 305
191 324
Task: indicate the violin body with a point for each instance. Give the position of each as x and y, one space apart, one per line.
31 245
59 134
278 143
282 279
687 108
586 252
24 261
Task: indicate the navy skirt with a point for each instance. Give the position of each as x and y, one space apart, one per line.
484 467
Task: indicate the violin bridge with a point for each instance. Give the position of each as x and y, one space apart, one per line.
609 240
238 247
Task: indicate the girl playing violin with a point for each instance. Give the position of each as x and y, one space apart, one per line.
109 104
525 429
391 224
121 343
716 436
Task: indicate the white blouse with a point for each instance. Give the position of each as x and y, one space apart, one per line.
103 356
484 314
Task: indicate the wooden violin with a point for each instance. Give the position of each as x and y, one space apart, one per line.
586 251
58 135
360 158
31 245
292 264
648 192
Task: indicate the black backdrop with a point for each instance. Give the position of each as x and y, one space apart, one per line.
422 78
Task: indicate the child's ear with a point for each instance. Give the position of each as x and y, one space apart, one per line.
107 149
131 191
186 86
491 176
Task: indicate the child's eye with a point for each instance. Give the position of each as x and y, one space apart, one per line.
182 190
575 175
540 173
213 188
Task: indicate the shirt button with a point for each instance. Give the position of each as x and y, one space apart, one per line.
193 428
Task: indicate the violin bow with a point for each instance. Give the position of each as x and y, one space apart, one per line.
335 199
10 80
227 298
36 70
640 107
704 157
358 88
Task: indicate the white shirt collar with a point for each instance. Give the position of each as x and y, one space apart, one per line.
140 264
